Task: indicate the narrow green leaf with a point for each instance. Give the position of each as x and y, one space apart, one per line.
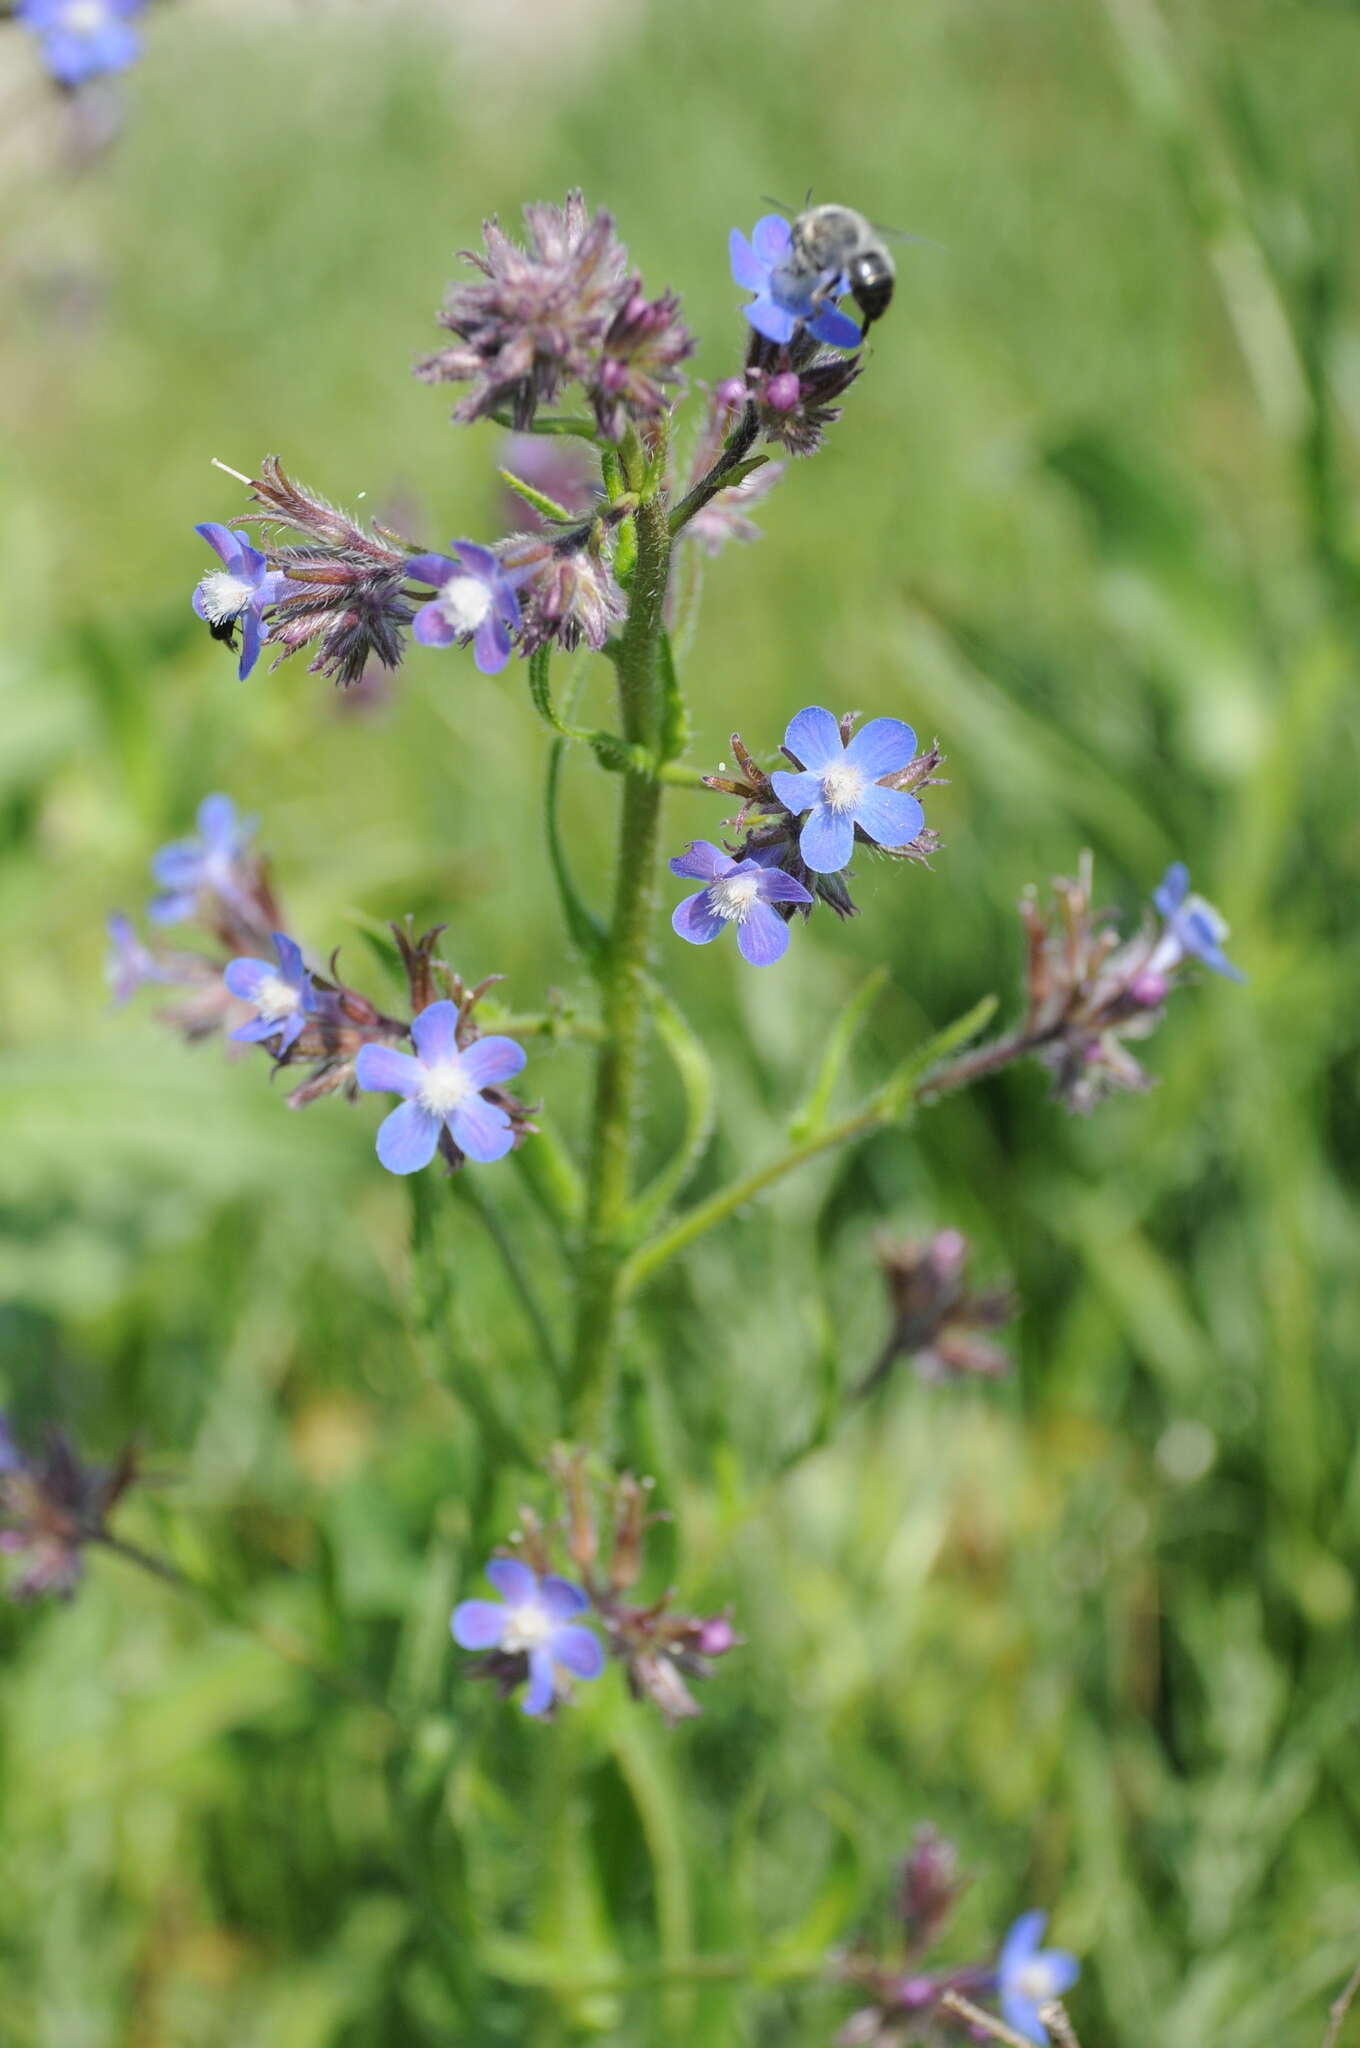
810 1116
895 1097
695 1071
584 927
546 507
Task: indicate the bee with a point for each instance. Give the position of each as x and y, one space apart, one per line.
831 243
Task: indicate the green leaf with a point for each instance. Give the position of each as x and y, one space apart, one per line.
584 927
546 507
695 1071
622 757
896 1095
812 1113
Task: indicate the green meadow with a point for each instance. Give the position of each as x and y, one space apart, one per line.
1090 517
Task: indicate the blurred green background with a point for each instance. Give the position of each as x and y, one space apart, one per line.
1090 517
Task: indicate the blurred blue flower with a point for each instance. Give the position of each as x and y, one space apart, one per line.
188 868
537 1621
80 39
443 1090
784 301
283 995
474 601
1194 928
131 964
238 593
1028 1976
739 892
840 786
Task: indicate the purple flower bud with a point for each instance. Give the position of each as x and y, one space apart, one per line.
52 1507
715 1637
565 587
784 391
1149 990
730 395
645 343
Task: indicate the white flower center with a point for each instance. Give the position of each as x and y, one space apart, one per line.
224 596
1034 1982
731 899
276 999
84 17
443 1088
842 787
465 603
528 1628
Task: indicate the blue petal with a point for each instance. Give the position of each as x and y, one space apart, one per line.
796 792
762 936
579 1650
491 645
881 747
1022 2014
482 1130
478 1624
1171 891
407 1139
435 1032
243 978
693 920
827 840
431 628
777 887
539 1697
513 1580
381 1070
836 329
491 1060
479 560
560 1599
770 239
747 269
776 323
1022 1938
814 738
703 862
290 959
218 824
432 569
251 637
890 816
221 540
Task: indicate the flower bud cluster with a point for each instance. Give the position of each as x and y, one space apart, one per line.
52 1506
938 1324
1087 993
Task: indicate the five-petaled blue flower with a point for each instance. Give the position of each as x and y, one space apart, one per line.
1193 926
474 600
443 1088
187 868
839 787
538 1620
238 593
1028 1976
739 892
82 38
785 298
131 964
283 995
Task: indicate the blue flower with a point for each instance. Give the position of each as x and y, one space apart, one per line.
1028 1976
283 995
537 1621
238 593
739 892
840 787
785 301
130 964
82 38
1193 927
443 1090
188 868
474 601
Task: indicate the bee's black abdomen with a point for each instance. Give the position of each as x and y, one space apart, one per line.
871 283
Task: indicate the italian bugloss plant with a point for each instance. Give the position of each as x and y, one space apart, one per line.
556 339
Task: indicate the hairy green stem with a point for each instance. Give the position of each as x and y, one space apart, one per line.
623 980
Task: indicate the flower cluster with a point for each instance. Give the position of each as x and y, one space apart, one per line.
256 986
909 2004
52 1507
539 1634
83 39
1088 992
938 1323
800 829
565 308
